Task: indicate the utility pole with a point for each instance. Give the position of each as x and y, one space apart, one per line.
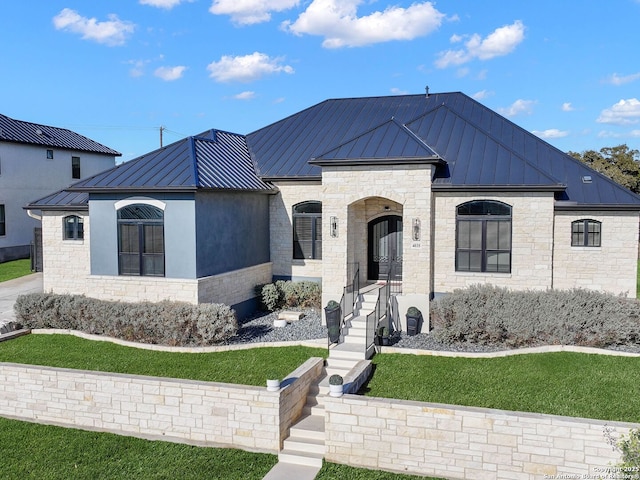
161 130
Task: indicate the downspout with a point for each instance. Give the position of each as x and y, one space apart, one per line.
34 215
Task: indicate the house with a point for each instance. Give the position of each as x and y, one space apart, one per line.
436 190
34 161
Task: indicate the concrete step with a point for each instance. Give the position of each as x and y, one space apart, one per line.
301 458
302 444
311 426
347 351
343 364
291 471
317 410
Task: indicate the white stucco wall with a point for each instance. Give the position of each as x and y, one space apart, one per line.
27 175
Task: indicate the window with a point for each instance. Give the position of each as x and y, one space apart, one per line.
49 154
586 233
75 167
3 225
483 237
307 230
141 240
73 227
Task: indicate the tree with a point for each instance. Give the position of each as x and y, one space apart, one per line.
620 163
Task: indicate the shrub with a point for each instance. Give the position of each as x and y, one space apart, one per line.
165 323
335 379
489 315
288 294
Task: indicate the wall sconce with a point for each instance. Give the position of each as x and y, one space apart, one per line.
334 227
415 229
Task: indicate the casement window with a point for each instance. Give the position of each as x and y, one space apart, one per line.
3 224
73 227
141 240
49 154
483 237
586 233
307 230
75 167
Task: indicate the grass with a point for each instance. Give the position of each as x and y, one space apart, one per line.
571 384
32 451
334 471
14 269
246 367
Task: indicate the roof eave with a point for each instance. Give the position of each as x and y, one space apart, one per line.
574 206
60 208
377 161
436 187
294 178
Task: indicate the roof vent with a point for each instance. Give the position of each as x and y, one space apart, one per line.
38 131
586 179
426 89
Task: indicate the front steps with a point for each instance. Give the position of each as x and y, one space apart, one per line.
304 448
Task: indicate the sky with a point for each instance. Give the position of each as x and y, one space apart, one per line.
122 72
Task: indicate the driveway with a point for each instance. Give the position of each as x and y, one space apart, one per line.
10 290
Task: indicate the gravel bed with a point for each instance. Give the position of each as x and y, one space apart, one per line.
259 328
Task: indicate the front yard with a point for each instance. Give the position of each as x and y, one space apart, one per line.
14 269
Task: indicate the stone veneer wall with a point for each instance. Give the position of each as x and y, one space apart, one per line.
532 242
66 269
612 267
281 229
464 442
343 189
201 413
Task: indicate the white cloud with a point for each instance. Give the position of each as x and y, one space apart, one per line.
550 133
635 133
518 107
616 79
112 32
137 69
248 95
338 22
567 107
398 91
166 4
170 74
482 94
625 112
246 68
247 12
501 41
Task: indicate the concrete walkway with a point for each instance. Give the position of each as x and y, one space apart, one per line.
10 290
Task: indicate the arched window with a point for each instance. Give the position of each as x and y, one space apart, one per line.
73 227
141 240
586 233
307 230
483 237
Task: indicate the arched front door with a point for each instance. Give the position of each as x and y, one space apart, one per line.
385 247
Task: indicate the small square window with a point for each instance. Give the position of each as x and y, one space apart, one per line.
49 154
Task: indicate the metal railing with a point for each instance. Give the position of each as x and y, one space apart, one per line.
349 296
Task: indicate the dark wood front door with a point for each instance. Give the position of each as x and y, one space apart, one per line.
385 247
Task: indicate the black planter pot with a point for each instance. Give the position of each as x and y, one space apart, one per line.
334 318
414 324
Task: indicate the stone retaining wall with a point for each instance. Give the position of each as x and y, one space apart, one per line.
464 442
200 413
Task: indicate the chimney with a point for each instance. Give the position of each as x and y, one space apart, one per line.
426 89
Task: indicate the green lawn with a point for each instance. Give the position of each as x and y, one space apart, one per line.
571 384
246 367
14 269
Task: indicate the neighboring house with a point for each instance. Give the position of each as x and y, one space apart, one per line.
34 161
438 188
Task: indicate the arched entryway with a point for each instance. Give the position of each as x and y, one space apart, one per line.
384 247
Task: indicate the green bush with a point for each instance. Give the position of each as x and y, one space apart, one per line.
288 294
489 315
164 323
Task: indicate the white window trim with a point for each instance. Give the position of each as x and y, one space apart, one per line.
144 200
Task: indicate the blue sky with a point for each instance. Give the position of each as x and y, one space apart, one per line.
115 71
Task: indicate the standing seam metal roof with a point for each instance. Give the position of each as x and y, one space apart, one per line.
18 131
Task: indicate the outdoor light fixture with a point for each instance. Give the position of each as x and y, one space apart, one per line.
415 229
334 227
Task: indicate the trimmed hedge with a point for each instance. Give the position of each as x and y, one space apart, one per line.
288 294
489 315
164 323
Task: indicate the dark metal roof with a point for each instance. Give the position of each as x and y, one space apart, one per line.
63 199
212 160
19 131
480 148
